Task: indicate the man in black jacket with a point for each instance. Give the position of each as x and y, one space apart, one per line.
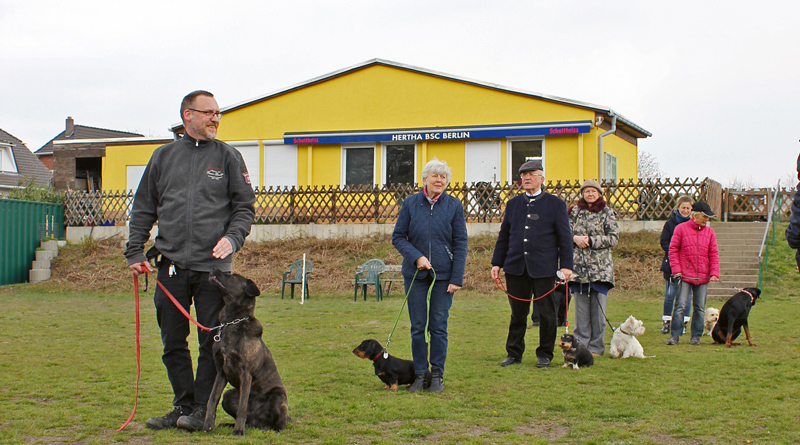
534 240
199 191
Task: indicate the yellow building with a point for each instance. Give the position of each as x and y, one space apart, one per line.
379 122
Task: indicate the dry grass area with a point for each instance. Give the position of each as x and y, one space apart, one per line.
99 265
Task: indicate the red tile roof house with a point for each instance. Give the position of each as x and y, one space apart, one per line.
18 165
80 165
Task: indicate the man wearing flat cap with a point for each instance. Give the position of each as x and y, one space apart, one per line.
533 243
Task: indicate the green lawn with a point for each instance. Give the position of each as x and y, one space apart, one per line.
67 372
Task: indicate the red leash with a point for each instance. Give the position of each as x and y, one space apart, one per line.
138 355
500 286
177 305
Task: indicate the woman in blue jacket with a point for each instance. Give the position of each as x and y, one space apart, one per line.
431 233
680 215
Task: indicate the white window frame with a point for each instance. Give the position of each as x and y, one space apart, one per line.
343 170
383 160
609 167
509 173
7 152
292 167
252 167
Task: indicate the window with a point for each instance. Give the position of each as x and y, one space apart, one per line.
7 163
522 152
280 165
359 165
610 167
399 164
250 152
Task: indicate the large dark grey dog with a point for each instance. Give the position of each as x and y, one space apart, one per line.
258 398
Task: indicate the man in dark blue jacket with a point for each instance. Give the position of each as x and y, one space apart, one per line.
534 241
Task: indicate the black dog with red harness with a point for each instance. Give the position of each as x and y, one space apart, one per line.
733 316
391 370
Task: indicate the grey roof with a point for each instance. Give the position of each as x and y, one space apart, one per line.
28 165
622 121
84 132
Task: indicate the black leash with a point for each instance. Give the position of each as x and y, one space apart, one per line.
679 278
598 303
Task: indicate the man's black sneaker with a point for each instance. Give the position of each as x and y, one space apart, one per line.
194 421
170 420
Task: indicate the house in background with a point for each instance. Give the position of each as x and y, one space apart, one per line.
17 163
380 122
74 167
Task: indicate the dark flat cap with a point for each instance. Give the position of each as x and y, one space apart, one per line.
531 166
704 208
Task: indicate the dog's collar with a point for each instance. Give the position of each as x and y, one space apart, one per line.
379 354
752 298
623 331
218 337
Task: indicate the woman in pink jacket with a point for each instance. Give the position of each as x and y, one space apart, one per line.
694 259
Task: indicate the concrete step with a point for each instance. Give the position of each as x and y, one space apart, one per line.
44 255
739 276
738 262
741 226
40 268
38 275
41 264
51 245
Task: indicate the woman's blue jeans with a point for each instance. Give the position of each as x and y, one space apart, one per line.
437 322
670 293
699 293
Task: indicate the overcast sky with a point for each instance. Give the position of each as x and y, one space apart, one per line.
717 83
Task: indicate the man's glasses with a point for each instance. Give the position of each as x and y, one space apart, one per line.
209 113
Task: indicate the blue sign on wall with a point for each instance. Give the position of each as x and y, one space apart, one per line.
440 134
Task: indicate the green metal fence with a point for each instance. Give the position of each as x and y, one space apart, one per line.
22 225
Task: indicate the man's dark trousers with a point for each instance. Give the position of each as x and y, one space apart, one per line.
190 391
522 286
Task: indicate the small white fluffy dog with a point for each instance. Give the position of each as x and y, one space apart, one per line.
711 317
624 343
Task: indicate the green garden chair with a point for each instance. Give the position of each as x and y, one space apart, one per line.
370 275
295 276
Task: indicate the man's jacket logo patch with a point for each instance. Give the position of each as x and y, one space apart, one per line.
214 173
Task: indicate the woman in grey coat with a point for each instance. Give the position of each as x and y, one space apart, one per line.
594 233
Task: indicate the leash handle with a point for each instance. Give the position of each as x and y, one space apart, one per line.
138 355
175 302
